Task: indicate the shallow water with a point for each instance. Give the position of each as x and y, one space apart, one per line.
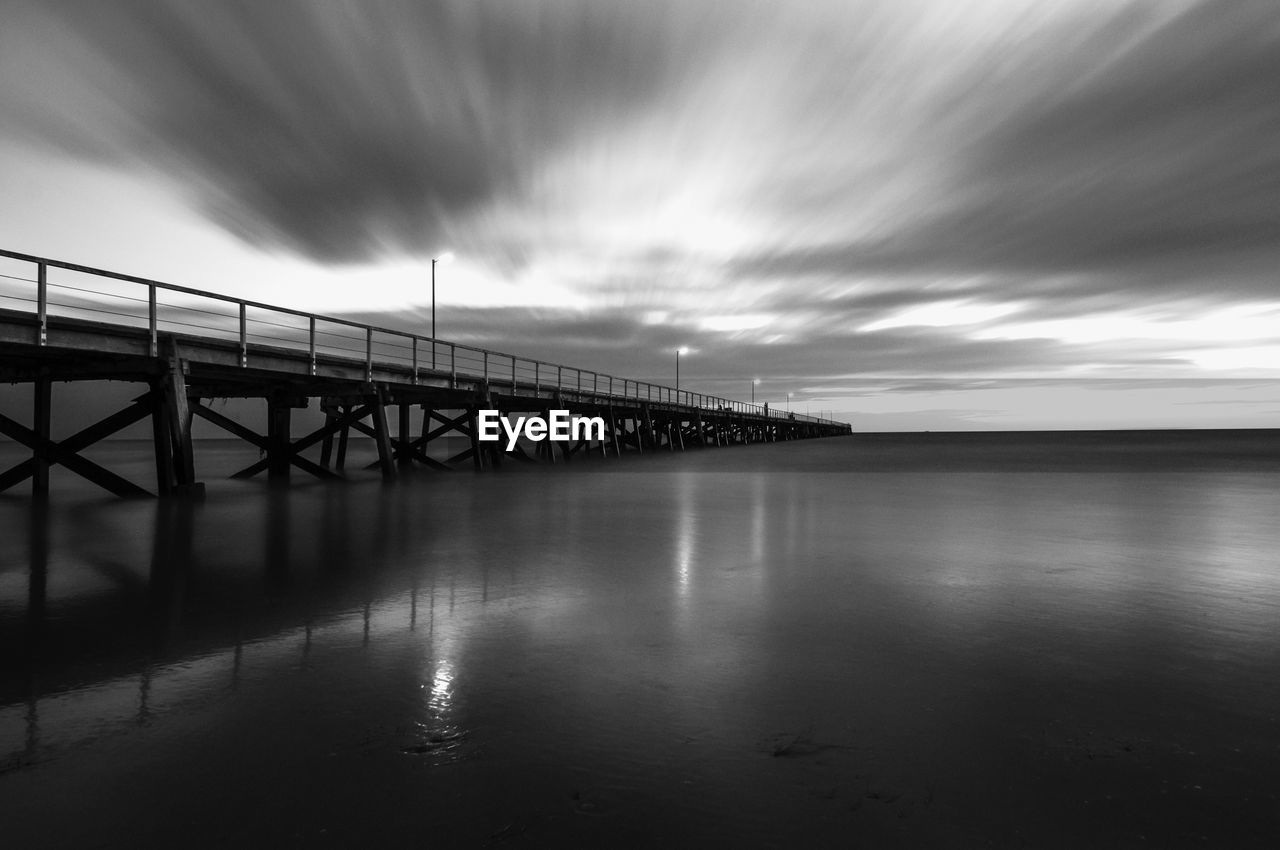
828 643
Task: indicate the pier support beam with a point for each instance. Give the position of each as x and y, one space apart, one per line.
650 436
279 416
46 452
332 410
42 413
477 455
285 451
177 415
612 441
382 435
404 438
492 450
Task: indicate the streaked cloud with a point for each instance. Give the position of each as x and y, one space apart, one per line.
811 192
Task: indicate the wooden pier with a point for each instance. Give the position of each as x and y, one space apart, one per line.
62 323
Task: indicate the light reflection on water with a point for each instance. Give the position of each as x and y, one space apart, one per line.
759 655
686 532
440 687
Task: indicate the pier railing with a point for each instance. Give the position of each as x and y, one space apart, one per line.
96 294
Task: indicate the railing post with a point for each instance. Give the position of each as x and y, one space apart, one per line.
559 377
595 383
579 371
244 336
453 363
537 381
151 320
611 385
415 360
486 366
368 354
42 301
311 344
513 374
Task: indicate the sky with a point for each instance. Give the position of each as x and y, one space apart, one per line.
912 214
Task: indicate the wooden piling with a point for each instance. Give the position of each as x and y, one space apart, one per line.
404 445
382 437
279 418
161 439
326 444
41 416
177 413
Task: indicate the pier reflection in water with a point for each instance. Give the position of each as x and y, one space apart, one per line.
626 655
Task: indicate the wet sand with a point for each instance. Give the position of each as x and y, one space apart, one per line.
882 641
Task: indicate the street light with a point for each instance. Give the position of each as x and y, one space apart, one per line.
444 259
789 401
755 382
679 351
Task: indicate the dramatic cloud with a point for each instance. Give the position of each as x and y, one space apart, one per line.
336 129
1163 151
816 193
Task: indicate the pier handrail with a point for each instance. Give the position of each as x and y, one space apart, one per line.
476 362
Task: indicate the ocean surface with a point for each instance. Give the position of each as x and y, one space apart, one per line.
925 640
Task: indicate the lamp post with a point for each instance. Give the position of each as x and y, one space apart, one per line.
789 402
754 383
679 351
445 259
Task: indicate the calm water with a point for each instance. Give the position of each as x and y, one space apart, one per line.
893 641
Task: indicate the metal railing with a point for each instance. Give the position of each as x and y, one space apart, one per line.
165 307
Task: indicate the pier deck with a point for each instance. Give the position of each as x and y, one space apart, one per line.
61 322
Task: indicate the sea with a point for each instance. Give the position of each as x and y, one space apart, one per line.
880 640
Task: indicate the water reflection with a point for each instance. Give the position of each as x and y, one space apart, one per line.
153 609
915 636
439 734
686 532
759 524
441 697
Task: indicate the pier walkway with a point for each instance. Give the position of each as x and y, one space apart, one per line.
61 322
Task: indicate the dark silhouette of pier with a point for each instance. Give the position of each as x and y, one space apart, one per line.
188 347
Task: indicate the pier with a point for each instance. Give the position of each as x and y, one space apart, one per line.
62 323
